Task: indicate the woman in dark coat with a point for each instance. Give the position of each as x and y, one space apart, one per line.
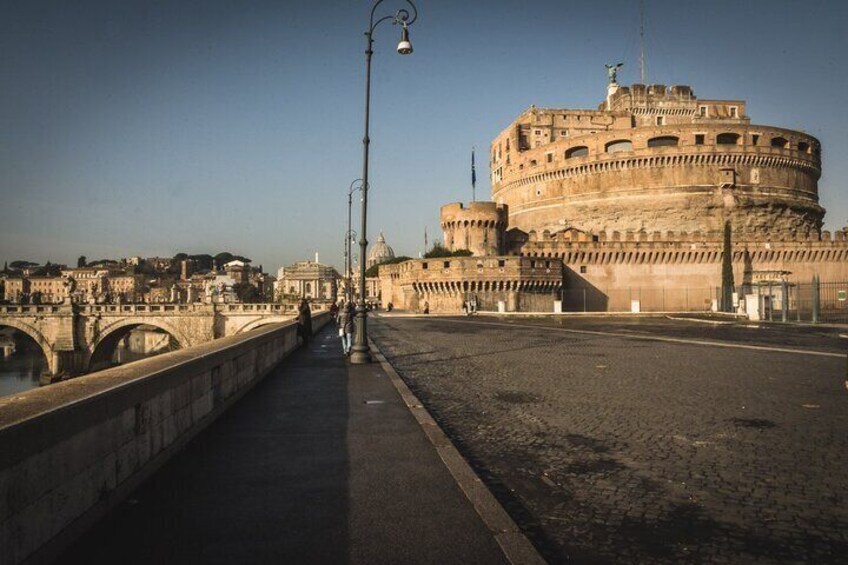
304 321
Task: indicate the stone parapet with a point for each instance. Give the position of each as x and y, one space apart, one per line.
80 338
71 451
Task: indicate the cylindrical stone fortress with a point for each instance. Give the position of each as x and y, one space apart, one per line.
656 159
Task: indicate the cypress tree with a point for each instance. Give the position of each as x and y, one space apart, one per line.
727 283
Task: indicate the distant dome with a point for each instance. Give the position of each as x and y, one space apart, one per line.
380 252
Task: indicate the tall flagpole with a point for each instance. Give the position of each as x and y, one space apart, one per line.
473 178
642 40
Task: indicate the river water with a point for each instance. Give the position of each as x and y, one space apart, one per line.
21 371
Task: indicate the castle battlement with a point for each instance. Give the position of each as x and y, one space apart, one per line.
804 254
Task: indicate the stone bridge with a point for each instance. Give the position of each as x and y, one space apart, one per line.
77 339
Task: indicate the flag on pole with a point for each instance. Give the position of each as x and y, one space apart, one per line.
425 239
473 178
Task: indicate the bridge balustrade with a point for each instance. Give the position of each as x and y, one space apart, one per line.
28 308
141 308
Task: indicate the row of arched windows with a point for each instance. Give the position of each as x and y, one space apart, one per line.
620 145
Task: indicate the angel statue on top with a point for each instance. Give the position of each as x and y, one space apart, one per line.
612 72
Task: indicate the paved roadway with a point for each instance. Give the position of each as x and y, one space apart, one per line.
322 462
631 441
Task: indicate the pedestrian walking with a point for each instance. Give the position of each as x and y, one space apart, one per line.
304 321
346 315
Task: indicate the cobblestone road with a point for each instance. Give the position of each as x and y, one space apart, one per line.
610 449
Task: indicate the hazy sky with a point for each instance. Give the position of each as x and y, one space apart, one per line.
159 126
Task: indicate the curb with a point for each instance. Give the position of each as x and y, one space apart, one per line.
704 321
514 544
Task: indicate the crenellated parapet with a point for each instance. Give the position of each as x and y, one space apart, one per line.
676 248
463 269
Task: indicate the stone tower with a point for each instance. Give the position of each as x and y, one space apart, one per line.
479 227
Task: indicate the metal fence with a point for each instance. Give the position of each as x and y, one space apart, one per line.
814 302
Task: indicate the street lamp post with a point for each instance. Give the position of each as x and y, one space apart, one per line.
353 188
360 352
349 237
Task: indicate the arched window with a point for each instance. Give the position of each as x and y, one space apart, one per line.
803 147
579 151
619 145
663 141
727 139
780 142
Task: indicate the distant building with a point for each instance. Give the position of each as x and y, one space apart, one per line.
48 290
380 252
127 287
308 279
15 288
239 271
159 263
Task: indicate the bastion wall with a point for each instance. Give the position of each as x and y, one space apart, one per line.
521 283
684 272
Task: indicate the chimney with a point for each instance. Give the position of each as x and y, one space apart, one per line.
316 256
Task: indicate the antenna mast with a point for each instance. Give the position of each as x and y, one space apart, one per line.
642 40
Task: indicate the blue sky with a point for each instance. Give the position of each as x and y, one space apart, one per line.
154 127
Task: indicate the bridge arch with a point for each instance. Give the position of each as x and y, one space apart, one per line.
263 322
103 348
33 333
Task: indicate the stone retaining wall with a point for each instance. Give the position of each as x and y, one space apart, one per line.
71 451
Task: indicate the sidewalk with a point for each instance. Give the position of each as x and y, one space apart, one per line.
322 463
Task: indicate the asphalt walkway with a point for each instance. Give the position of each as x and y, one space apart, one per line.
322 462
